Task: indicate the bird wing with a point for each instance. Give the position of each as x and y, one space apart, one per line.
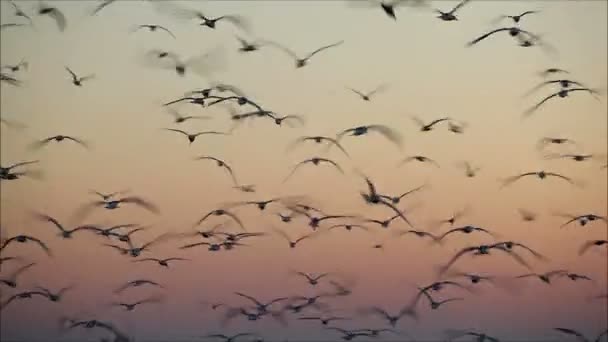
166 30
456 257
324 48
531 110
59 17
141 202
295 168
580 336
20 270
255 301
486 35
356 91
388 132
378 89
176 130
78 141
334 164
102 6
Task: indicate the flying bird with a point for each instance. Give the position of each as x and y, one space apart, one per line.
592 243
469 170
249 46
203 64
301 62
312 278
540 174
222 212
23 64
153 28
18 12
397 198
314 161
77 81
513 32
432 302
220 163
451 15
24 239
582 219
561 94
101 6
319 140
108 196
544 277
389 133
424 127
63 232
421 159
368 95
392 320
136 283
161 262
516 18
131 306
236 20
20 295
294 243
116 203
544 141
58 138
388 6
192 136
5 26
54 13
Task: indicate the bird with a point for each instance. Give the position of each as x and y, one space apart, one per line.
153 28
18 12
325 320
136 283
54 296
64 233
421 159
249 46
58 138
552 71
116 203
54 13
5 170
591 243
392 320
131 306
574 157
11 280
20 295
516 18
319 139
545 277
451 15
457 127
10 79
457 215
526 215
179 118
23 64
262 308
582 219
563 83
303 61
424 127
580 336
192 136
202 64
368 95
540 174
348 335
544 141
470 171
102 5
161 262
108 196
278 120
397 198
314 161
389 6
236 20
513 32
563 93
465 230
434 304
483 250
230 338
311 278
220 163
575 277
480 337
77 81
389 133
222 212
419 233
24 239
294 243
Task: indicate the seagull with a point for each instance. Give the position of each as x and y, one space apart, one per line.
10 80
131 306
552 71
508 246
368 96
473 278
21 295
293 243
153 28
11 280
23 64
575 157
516 18
221 212
136 251
421 159
575 277
424 127
561 94
301 62
513 32
348 335
579 335
101 6
563 83
470 171
396 199
391 319
543 142
382 223
457 128
325 320
451 15
314 161
311 278
136 283
526 215
455 217
480 337
261 307
319 140
347 226
374 198
231 338
64 233
192 136
4 171
220 163
465 230
162 262
249 46
20 13
419 233
237 20
115 204
386 131
483 250
24 239
545 277
201 64
590 244
53 12
434 304
540 174
388 6
108 196
54 296
58 138
77 81
583 219
109 232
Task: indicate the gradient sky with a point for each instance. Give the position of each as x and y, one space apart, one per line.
430 74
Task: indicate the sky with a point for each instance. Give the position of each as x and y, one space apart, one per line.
429 73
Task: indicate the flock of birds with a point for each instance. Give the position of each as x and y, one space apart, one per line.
233 233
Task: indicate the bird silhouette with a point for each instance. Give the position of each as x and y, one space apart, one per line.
303 61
